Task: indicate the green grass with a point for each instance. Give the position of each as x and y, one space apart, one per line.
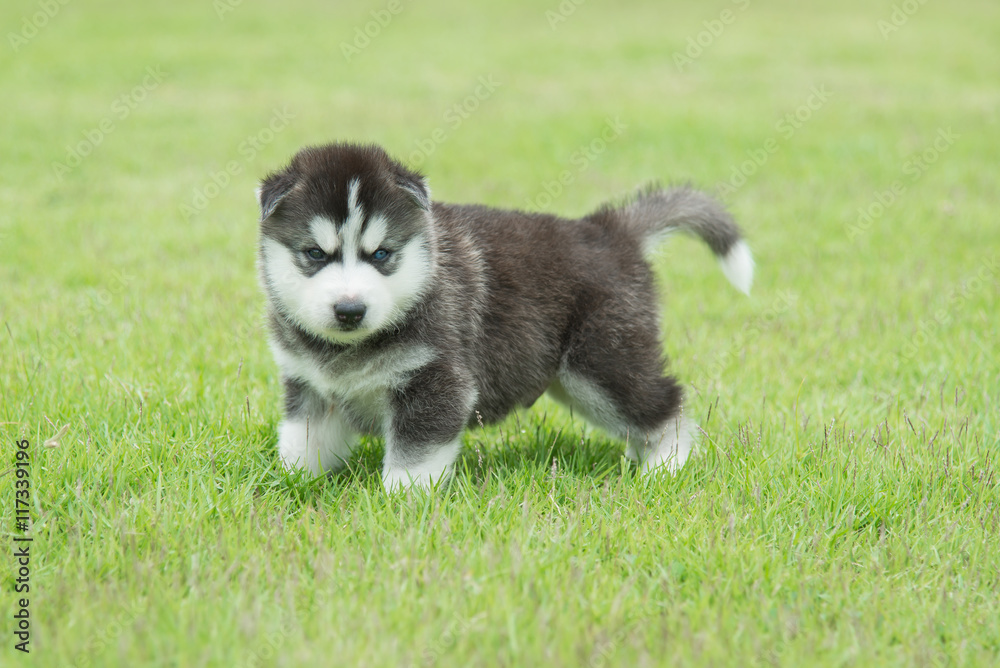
844 510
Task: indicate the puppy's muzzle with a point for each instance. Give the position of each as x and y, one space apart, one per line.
349 313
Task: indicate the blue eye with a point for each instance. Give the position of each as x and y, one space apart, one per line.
315 254
380 255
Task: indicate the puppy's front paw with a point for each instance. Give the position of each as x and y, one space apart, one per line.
401 479
294 450
318 445
436 468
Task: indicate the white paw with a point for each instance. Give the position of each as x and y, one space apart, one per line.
314 446
435 469
398 480
668 447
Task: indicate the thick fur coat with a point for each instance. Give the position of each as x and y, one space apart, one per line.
409 319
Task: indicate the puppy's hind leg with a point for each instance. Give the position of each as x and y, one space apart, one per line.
668 446
652 425
621 388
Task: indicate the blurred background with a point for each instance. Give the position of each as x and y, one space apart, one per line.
855 143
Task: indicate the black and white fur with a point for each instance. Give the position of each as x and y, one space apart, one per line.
409 319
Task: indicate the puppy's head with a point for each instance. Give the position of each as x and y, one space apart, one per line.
346 240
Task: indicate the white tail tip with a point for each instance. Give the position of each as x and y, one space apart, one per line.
737 265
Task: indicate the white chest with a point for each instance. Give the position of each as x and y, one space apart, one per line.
358 384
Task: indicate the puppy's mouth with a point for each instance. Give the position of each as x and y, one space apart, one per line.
346 326
341 333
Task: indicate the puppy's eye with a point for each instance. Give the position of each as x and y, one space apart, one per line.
315 254
381 255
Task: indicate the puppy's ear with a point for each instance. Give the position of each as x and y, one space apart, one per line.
416 187
273 190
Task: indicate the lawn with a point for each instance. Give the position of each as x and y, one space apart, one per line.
844 508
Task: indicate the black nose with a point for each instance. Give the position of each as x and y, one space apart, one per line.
349 312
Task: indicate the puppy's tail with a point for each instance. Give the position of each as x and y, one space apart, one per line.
655 213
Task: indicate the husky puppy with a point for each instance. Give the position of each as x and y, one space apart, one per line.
397 316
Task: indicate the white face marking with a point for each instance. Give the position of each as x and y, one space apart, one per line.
374 234
351 230
309 300
316 443
324 232
352 198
